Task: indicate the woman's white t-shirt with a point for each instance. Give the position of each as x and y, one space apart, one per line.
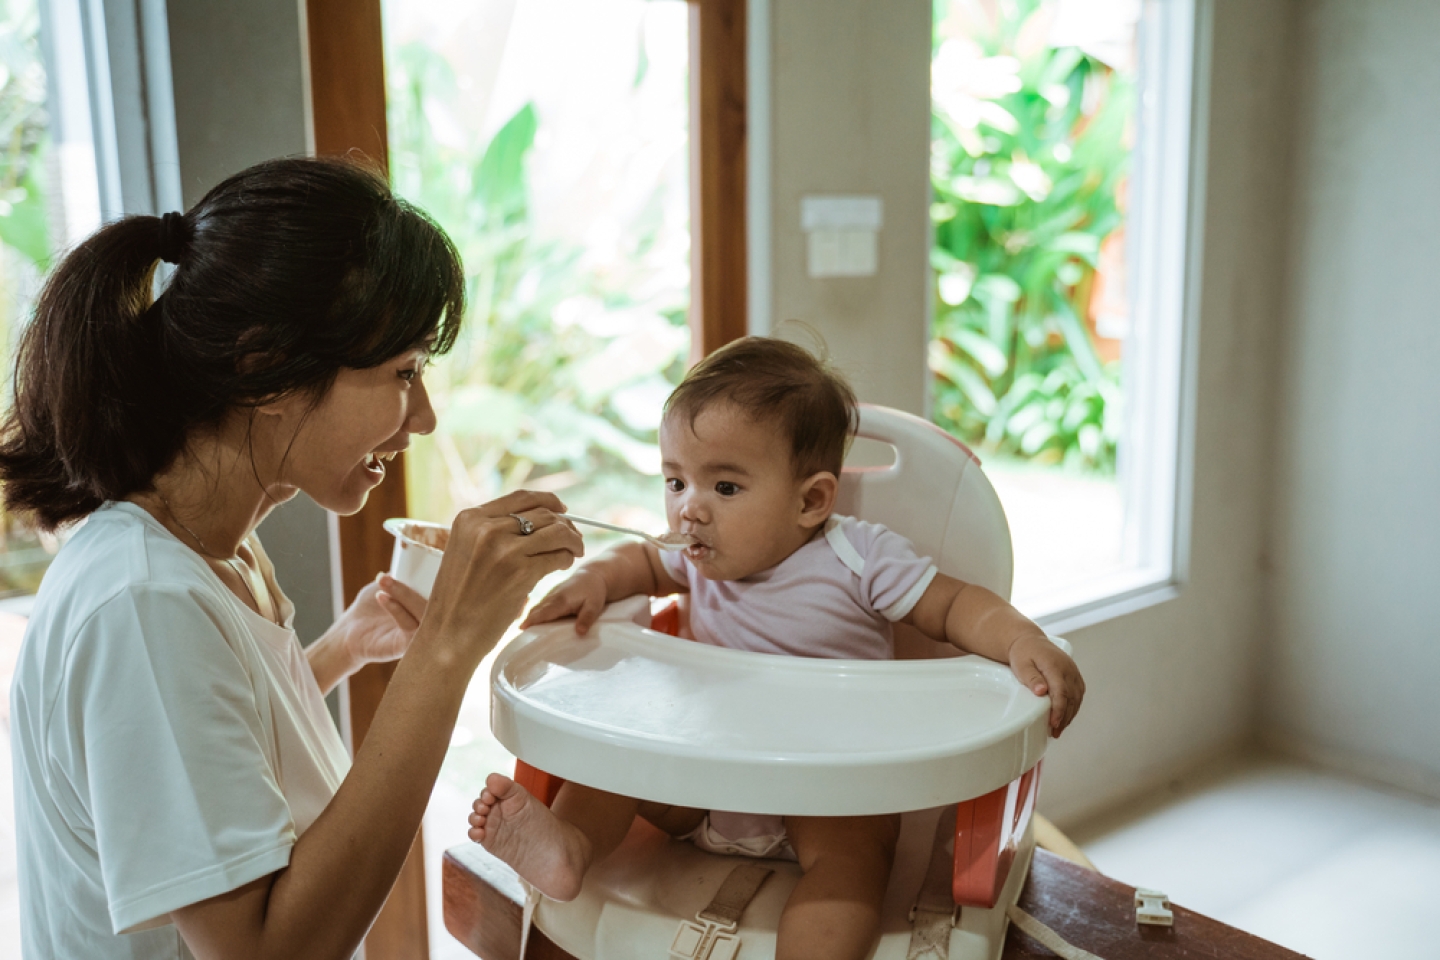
169 743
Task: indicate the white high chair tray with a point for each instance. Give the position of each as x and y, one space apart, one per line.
647 715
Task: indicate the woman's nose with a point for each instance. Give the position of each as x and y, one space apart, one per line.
420 417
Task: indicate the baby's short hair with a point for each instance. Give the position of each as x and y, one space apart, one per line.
770 379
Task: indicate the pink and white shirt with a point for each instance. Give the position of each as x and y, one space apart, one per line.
835 597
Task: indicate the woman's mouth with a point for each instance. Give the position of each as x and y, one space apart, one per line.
375 463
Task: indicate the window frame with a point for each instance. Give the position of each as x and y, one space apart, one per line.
1164 252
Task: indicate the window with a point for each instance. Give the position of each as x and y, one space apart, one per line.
1062 187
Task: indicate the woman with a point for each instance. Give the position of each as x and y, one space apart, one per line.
180 788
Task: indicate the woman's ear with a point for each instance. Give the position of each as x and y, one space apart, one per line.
817 498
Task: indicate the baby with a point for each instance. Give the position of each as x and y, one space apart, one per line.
752 444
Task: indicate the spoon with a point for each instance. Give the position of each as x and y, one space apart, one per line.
669 540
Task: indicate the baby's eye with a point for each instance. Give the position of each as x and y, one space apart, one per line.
674 484
727 489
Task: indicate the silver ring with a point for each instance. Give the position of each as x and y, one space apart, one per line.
526 527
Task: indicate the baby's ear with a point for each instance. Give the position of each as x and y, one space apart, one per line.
817 498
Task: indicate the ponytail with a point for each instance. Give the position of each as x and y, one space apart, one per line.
86 364
302 266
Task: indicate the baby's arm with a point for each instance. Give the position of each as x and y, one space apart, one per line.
623 571
977 621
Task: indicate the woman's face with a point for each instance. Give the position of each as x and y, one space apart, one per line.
338 450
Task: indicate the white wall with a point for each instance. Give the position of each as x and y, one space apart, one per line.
1356 655
850 114
1175 684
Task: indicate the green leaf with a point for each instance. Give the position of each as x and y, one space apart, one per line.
1036 437
995 286
26 228
1086 246
1025 418
973 387
990 358
500 176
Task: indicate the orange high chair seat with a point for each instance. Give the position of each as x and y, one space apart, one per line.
638 712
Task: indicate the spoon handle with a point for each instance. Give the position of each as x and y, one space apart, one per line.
606 526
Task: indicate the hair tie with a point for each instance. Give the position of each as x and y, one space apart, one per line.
174 237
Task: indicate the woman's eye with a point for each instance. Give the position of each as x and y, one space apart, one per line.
411 374
726 489
674 485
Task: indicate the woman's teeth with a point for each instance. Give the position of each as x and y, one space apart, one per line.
375 460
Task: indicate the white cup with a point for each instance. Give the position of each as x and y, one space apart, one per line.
416 559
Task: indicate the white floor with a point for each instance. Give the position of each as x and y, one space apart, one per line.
1332 868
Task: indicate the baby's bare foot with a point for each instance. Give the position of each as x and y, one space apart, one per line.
521 831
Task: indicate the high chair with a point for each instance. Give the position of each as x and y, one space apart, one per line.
953 741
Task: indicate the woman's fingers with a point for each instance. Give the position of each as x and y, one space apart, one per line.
491 565
518 502
408 598
403 618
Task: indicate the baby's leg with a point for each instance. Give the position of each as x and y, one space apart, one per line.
551 848
834 911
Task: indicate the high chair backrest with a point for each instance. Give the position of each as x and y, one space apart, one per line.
936 495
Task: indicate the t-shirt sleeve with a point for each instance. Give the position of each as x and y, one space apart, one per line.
183 786
894 577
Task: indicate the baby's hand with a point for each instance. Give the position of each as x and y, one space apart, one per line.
582 596
1045 668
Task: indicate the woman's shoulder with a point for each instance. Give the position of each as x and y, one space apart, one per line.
120 550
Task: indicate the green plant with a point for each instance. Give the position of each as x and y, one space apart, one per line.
24 240
557 379
1029 156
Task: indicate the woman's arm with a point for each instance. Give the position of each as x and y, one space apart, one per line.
377 627
978 621
626 570
343 866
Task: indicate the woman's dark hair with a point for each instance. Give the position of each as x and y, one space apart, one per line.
287 273
773 380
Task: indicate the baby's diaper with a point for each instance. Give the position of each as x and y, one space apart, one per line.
742 834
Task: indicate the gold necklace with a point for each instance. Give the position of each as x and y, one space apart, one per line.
228 561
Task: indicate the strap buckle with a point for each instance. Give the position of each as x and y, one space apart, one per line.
705 939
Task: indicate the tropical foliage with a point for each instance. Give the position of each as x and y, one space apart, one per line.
560 373
24 238
1028 164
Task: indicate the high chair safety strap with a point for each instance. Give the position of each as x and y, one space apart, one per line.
934 914
711 935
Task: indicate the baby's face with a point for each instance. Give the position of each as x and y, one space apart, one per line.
728 482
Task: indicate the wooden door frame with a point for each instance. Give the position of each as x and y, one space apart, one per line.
719 287
347 98
347 93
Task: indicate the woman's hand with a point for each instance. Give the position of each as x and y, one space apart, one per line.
382 621
491 566
378 626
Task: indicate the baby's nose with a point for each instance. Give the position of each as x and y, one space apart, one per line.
690 506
